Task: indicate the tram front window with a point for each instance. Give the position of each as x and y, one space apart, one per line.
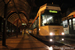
49 20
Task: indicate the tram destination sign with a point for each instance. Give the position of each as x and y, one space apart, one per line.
53 11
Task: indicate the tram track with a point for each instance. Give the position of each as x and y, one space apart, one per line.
57 43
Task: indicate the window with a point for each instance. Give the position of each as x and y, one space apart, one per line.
35 24
74 23
38 21
47 19
65 23
70 23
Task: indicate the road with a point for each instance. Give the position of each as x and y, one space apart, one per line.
67 44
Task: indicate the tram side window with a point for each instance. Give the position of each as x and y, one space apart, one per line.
38 21
65 23
74 23
70 23
35 24
43 20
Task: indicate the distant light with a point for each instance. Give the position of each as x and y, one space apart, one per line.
12 30
53 11
23 23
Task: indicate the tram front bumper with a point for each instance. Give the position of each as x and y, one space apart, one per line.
55 38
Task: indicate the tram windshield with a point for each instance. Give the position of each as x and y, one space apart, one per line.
53 19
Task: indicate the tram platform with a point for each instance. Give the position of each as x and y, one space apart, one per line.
26 42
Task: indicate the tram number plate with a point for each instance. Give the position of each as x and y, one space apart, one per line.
57 37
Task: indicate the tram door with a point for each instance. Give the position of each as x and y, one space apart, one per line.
73 25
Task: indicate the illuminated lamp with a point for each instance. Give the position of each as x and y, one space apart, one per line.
23 23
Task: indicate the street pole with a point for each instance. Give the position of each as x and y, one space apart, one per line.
17 30
4 26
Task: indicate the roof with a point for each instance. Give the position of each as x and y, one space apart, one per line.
71 15
17 10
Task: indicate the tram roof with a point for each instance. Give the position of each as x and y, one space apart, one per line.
47 6
50 7
71 15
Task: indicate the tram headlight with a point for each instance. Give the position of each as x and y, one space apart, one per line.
51 34
63 33
51 40
62 39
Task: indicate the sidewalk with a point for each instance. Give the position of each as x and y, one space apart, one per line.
23 43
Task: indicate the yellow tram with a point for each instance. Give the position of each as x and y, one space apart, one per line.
47 23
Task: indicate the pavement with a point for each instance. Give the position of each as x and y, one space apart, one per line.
26 42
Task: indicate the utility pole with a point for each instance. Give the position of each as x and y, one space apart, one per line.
4 26
4 23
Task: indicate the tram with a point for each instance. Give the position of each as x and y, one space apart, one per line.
47 23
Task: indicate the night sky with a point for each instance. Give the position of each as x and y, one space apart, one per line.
64 4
